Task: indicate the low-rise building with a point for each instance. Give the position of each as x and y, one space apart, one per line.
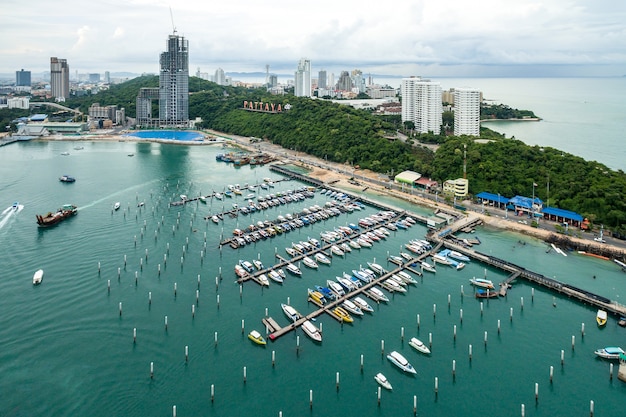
457 188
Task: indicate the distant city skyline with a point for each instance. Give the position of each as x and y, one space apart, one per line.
430 39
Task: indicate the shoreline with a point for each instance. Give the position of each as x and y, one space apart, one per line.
330 172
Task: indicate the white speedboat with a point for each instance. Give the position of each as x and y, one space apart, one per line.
397 279
275 276
263 280
458 256
406 277
37 277
363 305
401 362
392 285
352 307
291 313
345 247
382 381
363 243
291 251
215 219
116 206
293 269
481 282
336 250
427 267
377 294
246 265
417 344
347 284
376 268
335 287
258 264
441 259
610 352
310 262
354 244
398 260
311 331
321 258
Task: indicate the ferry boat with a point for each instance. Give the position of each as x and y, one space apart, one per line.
50 219
382 381
312 331
256 338
401 362
481 282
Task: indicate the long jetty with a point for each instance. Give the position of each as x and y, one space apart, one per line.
443 237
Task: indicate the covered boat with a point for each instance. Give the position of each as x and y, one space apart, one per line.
37 277
256 337
401 362
312 331
610 352
418 345
382 381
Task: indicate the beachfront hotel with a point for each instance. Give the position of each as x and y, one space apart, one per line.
467 111
421 104
174 83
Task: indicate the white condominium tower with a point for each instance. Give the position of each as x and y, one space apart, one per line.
466 111
59 78
303 79
174 83
421 104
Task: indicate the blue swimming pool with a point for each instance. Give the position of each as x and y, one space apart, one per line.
180 135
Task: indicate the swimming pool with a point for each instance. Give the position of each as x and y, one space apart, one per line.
180 135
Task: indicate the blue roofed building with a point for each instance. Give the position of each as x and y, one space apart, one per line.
562 216
39 118
525 205
492 199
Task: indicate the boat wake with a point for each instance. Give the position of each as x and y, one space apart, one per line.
111 197
8 213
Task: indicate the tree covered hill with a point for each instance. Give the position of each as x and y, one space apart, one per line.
342 134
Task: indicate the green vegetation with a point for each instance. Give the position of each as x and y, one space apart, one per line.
7 117
502 111
342 134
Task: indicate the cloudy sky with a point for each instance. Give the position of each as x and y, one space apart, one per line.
457 38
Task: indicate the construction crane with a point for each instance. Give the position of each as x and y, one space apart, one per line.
172 17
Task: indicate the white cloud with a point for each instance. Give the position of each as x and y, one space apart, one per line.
401 37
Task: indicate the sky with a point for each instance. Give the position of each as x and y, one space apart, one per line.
451 38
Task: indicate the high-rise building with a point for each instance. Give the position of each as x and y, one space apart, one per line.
345 82
321 79
174 83
22 78
59 78
466 111
220 77
107 77
421 104
303 79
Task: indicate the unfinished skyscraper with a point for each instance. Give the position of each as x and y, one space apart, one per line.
174 83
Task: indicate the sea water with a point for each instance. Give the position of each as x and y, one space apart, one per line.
68 348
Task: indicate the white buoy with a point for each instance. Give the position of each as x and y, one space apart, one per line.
448 300
591 408
415 405
119 271
361 363
562 357
175 285
378 395
337 381
273 358
485 338
523 410
218 301
481 308
511 314
212 392
242 326
98 267
311 398
611 371
402 334
198 281
430 340
453 368
522 303
582 329
498 326
197 296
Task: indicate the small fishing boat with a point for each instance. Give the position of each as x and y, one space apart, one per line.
37 277
382 381
486 293
215 219
610 352
202 199
290 312
258 264
312 331
363 305
275 276
342 314
417 344
256 338
293 269
601 317
481 282
401 362
116 206
219 196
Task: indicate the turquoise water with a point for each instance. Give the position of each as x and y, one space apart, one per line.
66 350
167 135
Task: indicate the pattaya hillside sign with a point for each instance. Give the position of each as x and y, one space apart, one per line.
264 107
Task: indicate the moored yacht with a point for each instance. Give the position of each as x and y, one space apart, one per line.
293 269
352 307
363 305
290 312
417 344
401 362
312 331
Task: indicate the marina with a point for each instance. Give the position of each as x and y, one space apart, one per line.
145 299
